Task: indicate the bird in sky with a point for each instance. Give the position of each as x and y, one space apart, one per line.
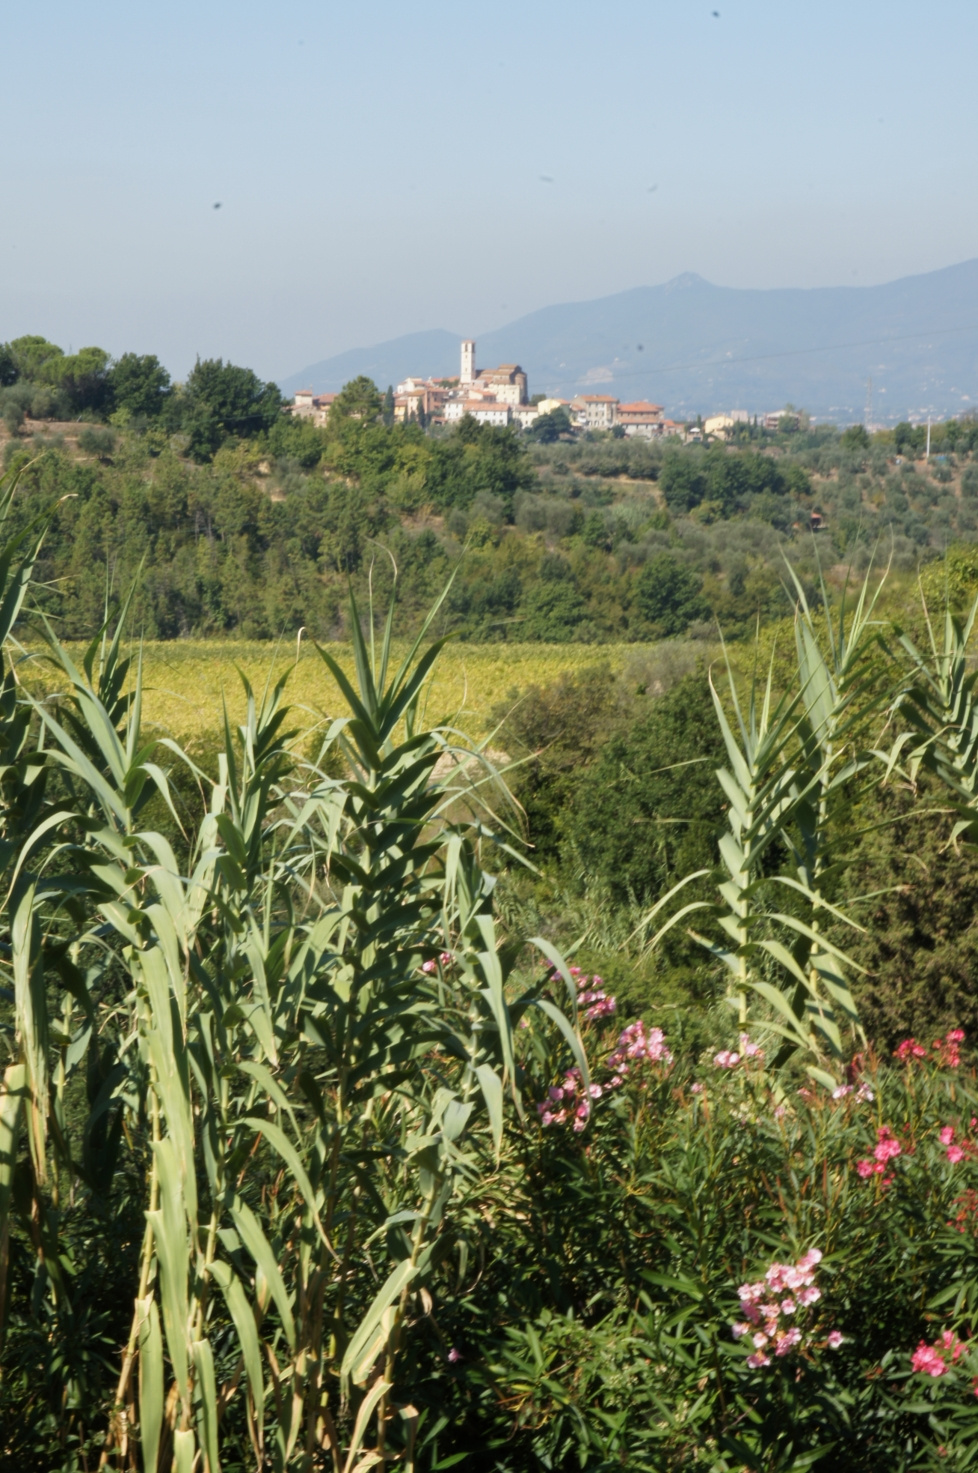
545 179
716 15
217 205
653 188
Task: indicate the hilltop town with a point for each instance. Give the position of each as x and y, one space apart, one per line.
500 396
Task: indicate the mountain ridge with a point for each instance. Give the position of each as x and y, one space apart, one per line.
696 347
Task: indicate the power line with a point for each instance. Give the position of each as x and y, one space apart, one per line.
787 353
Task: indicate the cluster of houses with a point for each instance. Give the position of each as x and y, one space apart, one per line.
499 396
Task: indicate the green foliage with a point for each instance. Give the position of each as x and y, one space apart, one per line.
222 399
547 429
95 440
8 366
667 595
31 354
298 440
477 459
80 382
856 437
649 810
359 399
138 384
728 481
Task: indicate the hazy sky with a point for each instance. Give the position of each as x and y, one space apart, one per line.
388 167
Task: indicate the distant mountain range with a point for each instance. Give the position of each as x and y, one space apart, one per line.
697 348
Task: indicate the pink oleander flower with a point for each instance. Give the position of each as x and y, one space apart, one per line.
726 1059
909 1050
757 1360
887 1145
887 1148
946 1048
635 1044
955 1154
946 1135
696 1089
776 1306
841 1090
937 1359
950 1344
927 1360
834 1339
454 1355
429 967
865 1095
446 958
786 1340
749 1049
600 1006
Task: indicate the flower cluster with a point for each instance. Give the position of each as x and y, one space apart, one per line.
887 1148
729 1059
864 1095
956 1150
637 1044
569 1101
773 1307
937 1359
946 1049
595 1002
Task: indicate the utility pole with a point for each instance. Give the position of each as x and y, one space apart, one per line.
927 456
868 416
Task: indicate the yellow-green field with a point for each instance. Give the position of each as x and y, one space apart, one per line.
184 681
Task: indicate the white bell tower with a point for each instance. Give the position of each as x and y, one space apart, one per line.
468 362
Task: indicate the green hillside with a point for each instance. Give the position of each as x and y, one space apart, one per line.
247 522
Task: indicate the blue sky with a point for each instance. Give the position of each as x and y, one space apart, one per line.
384 168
